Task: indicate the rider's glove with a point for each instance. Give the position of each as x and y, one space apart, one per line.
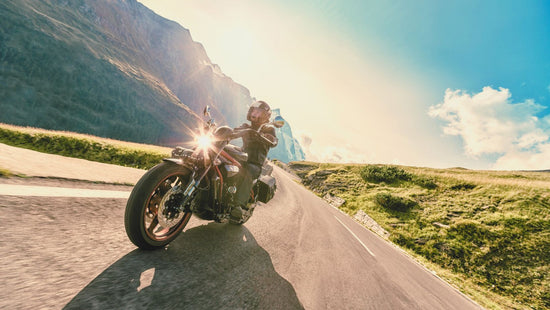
243 126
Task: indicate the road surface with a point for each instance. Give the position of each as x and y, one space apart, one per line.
295 252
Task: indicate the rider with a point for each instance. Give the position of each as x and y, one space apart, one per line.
256 144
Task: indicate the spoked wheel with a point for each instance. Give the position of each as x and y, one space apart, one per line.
152 219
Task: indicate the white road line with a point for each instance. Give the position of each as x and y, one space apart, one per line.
49 191
351 232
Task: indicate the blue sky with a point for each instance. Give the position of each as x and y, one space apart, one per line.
462 44
469 44
423 83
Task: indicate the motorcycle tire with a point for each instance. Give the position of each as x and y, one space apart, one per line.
141 218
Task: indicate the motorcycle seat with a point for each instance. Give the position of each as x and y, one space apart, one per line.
236 152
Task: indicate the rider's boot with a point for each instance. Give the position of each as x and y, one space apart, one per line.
239 211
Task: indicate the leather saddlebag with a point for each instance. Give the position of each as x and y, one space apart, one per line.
265 188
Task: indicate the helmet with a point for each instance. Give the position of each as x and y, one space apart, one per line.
264 107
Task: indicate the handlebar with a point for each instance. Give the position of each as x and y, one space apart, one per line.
278 122
238 133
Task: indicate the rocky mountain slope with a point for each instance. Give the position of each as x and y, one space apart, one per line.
289 149
111 68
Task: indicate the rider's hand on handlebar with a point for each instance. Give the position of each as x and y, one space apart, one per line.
243 126
270 139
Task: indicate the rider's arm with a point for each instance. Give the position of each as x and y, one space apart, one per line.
243 126
239 131
268 133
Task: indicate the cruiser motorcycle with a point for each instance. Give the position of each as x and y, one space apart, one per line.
200 180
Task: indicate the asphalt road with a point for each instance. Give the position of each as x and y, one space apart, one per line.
295 252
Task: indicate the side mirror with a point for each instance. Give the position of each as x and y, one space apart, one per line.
278 121
206 111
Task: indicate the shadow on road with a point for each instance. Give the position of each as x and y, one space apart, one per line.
213 266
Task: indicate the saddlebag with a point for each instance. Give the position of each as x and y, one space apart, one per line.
265 188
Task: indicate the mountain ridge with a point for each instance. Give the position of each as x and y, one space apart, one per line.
110 68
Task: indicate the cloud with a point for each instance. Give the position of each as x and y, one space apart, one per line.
490 123
305 140
335 154
539 160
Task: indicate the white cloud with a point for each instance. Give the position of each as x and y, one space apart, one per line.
336 154
530 160
532 139
304 139
490 123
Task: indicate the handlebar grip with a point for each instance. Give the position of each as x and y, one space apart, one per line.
237 133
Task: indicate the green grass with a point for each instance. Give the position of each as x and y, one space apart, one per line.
5 172
486 232
83 146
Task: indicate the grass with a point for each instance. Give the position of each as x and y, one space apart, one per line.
486 232
5 172
83 146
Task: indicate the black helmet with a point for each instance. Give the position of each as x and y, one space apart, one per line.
264 107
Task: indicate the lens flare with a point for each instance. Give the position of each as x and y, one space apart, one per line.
204 141
204 144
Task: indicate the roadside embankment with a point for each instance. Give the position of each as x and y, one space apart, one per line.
31 163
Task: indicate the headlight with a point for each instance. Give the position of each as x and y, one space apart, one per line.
204 142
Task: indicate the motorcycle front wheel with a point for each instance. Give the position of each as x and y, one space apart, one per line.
151 218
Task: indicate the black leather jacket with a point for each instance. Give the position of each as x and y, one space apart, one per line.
257 147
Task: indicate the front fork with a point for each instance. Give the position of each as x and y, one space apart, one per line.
190 190
188 195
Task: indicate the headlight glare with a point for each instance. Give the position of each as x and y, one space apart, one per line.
204 141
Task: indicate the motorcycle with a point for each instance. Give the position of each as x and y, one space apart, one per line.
201 180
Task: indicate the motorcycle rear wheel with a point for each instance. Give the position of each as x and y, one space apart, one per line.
144 226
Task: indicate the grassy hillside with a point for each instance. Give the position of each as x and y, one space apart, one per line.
487 232
83 146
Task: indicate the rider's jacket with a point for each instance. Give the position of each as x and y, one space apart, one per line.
255 146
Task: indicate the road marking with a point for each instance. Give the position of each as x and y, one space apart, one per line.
351 232
49 191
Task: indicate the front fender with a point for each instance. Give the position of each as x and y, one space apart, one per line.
177 161
180 162
181 156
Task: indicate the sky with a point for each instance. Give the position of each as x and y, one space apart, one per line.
420 83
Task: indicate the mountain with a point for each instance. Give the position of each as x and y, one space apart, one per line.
289 148
59 69
111 68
